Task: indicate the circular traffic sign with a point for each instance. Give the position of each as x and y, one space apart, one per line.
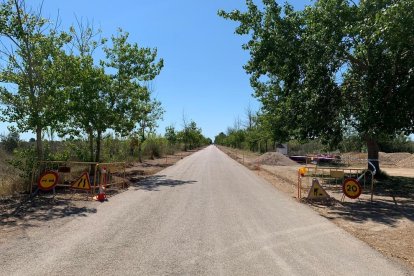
352 188
47 180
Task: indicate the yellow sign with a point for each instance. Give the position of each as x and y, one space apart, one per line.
82 183
47 180
303 171
316 191
352 188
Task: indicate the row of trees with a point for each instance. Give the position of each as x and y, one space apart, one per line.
337 66
250 133
114 148
53 82
253 134
190 136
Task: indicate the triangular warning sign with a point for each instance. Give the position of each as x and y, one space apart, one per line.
316 191
82 182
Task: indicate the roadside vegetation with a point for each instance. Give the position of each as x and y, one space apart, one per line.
18 157
80 107
251 133
334 71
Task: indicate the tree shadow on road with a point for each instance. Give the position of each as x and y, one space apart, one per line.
32 212
154 182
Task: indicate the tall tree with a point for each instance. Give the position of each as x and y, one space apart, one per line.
332 65
32 48
152 111
90 101
171 134
133 67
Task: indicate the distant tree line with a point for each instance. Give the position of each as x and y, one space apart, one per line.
253 134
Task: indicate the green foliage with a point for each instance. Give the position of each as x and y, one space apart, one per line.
352 143
36 63
334 64
398 143
78 150
116 149
171 135
24 159
220 139
155 146
191 136
129 97
255 136
61 88
312 147
10 141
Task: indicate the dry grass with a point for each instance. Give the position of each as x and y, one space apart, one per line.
10 181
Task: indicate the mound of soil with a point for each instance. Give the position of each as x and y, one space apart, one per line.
354 157
398 156
392 159
386 159
274 159
407 162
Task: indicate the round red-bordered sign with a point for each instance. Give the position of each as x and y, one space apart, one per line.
351 188
47 180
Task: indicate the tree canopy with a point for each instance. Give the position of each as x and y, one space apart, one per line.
60 86
332 66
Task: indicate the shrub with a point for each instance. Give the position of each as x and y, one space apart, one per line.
155 147
10 141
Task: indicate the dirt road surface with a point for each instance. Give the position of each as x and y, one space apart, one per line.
206 215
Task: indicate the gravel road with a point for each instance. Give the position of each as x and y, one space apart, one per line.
206 215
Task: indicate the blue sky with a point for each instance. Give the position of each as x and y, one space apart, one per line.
203 76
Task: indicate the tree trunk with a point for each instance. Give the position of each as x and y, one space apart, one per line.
39 145
90 134
98 146
373 155
141 140
140 151
131 149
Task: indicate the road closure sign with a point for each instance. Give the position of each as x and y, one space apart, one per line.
47 180
352 188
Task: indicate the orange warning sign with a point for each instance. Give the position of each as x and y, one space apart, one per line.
82 183
47 180
352 188
316 191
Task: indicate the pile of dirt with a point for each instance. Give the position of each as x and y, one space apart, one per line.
407 162
392 159
398 156
274 159
354 158
386 159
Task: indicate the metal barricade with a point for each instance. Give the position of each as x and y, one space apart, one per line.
86 176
